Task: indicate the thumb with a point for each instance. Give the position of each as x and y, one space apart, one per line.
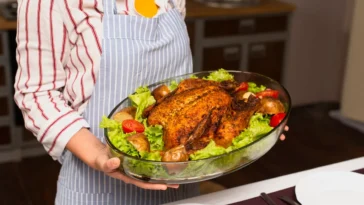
107 164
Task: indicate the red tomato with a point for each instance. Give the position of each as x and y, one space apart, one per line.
131 125
276 119
268 93
242 86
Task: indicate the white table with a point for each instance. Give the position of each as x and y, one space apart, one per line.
271 185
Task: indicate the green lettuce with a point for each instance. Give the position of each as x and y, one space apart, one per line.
193 77
254 88
118 137
258 126
152 156
173 85
209 151
219 76
155 137
141 100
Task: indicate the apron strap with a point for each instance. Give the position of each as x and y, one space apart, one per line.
110 7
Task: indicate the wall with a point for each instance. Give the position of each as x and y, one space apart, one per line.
317 50
353 95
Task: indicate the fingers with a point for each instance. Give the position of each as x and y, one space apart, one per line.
282 137
111 165
106 164
286 128
140 184
174 186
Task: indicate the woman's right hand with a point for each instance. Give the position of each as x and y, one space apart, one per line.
110 167
95 154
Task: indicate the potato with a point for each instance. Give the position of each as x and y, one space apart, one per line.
271 106
140 142
160 92
121 116
177 154
130 110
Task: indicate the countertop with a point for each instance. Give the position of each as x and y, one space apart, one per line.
198 10
249 191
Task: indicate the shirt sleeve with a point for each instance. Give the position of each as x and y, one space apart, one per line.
41 76
182 7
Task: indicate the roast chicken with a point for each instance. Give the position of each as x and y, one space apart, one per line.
199 111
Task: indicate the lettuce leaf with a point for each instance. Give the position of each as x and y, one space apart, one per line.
118 137
152 156
141 100
258 126
209 151
254 88
173 85
155 137
219 75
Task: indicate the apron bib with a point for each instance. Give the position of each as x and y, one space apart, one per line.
136 51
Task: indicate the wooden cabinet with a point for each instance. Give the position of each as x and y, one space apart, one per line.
228 56
267 58
249 43
244 26
191 33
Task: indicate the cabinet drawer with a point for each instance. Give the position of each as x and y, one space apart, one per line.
191 33
267 58
5 133
4 108
28 136
1 45
227 57
2 76
244 26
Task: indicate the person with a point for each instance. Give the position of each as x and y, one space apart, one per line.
77 59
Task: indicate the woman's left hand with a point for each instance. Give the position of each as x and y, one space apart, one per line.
283 137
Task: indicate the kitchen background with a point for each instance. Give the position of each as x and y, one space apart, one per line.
312 47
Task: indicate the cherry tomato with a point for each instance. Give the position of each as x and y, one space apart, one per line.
243 86
268 93
276 119
132 125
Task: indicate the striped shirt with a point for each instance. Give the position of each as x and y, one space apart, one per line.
58 54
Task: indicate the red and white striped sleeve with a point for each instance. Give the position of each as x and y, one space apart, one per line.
41 76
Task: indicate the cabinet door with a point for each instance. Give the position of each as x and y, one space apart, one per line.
191 33
245 26
227 57
2 76
267 58
5 135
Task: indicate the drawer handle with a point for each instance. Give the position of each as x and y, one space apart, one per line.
247 26
258 51
232 53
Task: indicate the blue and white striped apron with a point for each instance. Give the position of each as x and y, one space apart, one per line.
136 51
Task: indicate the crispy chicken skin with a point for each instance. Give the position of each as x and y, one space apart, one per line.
198 111
181 126
234 122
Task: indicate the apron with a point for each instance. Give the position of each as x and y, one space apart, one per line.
136 51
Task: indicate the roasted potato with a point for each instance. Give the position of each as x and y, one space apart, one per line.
121 116
131 110
271 106
160 92
140 142
177 154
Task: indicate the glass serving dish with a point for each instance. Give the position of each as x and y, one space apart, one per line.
209 168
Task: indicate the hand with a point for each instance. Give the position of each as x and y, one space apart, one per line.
95 154
110 167
283 137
